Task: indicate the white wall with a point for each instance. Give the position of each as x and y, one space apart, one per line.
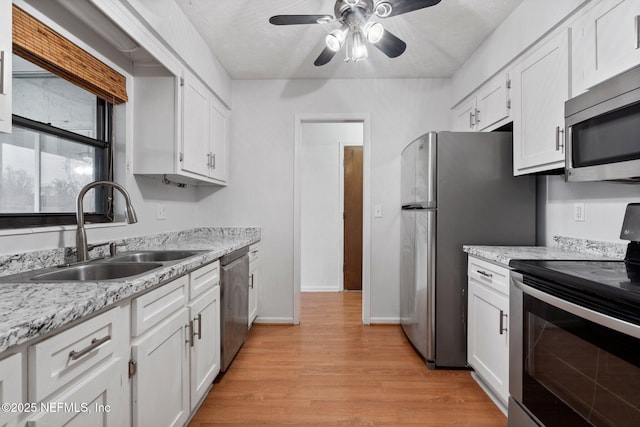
321 207
260 187
604 206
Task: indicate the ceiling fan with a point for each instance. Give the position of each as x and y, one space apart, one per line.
357 26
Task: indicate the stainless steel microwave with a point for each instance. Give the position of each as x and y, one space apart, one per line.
602 127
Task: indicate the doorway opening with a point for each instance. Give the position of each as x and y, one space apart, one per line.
331 207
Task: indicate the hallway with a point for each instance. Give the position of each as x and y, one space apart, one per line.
332 370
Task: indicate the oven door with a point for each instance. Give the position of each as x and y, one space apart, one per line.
571 366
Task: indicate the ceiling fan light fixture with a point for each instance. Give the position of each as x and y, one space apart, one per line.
335 40
383 9
359 50
373 31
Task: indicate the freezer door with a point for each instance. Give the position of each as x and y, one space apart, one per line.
418 183
417 280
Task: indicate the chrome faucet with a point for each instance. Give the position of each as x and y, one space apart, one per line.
82 248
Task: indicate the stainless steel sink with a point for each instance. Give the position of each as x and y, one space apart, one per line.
96 271
152 256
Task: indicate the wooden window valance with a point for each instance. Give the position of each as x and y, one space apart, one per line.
39 44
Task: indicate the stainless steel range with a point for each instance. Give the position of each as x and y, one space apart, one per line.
575 339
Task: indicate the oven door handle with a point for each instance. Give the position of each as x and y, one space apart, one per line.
583 312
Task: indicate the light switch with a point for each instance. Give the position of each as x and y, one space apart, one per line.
377 211
578 212
161 212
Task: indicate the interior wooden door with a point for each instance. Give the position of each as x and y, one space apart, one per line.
352 271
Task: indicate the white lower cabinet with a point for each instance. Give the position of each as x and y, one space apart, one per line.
160 383
78 377
11 390
176 347
487 332
96 401
204 352
254 280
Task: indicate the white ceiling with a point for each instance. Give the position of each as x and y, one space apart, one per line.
439 38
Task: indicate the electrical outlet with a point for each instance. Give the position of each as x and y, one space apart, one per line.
377 211
578 212
161 212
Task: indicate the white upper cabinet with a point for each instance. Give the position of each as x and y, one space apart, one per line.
205 136
181 129
488 108
606 42
195 131
5 66
464 116
493 103
540 87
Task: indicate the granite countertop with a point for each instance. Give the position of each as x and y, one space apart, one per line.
30 310
564 249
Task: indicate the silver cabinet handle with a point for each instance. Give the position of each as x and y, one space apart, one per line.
190 334
213 162
477 116
637 21
95 343
251 284
559 143
199 320
471 119
502 319
485 274
208 160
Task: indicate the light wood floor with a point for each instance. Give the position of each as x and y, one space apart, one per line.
332 370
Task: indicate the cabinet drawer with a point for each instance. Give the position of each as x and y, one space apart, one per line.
254 253
62 358
203 279
149 309
489 274
10 386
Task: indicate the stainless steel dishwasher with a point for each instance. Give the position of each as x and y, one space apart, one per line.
234 296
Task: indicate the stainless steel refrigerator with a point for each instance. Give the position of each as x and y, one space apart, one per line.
457 188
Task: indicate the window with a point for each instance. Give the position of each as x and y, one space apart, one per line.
63 101
61 141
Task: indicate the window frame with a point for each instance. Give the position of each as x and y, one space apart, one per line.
103 195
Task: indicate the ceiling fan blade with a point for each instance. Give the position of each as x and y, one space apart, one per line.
325 57
298 19
391 45
398 7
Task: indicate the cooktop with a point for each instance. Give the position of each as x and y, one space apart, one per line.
612 287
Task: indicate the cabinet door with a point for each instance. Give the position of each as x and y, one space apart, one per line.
254 279
218 141
205 346
539 91
160 384
195 127
96 400
493 102
488 339
5 66
611 33
464 116
10 387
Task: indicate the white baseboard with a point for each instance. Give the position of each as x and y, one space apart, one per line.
385 320
490 393
274 320
319 289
